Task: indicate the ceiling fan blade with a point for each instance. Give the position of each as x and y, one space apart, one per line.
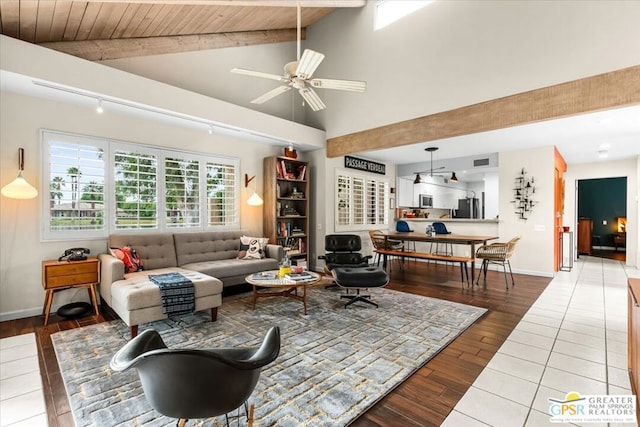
308 63
271 94
312 98
352 85
258 74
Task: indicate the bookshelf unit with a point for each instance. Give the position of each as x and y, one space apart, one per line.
286 206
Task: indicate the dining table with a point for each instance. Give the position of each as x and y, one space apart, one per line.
455 239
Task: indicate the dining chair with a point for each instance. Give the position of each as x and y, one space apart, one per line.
379 241
441 228
497 253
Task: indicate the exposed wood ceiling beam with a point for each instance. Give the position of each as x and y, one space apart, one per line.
98 50
253 3
601 92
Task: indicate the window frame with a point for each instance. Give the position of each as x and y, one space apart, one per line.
363 223
109 147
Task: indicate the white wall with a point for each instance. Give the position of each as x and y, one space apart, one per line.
491 195
208 72
21 250
534 253
607 169
455 53
323 203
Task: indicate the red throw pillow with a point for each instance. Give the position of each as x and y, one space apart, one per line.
129 257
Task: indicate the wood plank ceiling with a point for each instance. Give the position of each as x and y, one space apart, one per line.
108 29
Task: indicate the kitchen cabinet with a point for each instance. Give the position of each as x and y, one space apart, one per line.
405 193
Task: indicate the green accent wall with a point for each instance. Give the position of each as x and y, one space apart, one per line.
603 199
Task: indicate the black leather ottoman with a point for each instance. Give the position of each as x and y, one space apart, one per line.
359 278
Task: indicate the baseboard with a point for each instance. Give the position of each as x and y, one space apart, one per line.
21 314
31 312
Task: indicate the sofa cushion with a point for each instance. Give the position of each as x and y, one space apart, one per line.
155 250
206 246
136 291
233 267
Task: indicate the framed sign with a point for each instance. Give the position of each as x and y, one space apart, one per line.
364 165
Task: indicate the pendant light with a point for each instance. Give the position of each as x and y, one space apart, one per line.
19 188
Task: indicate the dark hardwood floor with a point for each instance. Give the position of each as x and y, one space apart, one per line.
425 399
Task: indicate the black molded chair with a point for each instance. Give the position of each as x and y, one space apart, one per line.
188 383
343 250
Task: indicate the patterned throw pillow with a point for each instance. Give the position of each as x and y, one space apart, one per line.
255 247
129 257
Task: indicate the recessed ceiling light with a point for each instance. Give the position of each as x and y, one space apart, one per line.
603 154
605 146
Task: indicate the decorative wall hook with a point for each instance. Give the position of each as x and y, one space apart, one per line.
247 180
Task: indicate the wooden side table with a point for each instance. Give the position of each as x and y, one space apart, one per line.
61 275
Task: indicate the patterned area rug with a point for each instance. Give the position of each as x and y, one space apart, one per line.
334 362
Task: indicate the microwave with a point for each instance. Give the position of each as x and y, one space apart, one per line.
426 201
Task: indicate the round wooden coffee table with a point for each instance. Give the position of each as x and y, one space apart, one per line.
285 287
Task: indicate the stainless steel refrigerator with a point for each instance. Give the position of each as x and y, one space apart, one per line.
467 208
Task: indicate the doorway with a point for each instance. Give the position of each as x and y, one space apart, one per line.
602 217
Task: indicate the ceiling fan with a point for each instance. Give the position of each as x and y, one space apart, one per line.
418 179
298 75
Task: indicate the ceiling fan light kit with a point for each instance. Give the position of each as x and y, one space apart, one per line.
297 75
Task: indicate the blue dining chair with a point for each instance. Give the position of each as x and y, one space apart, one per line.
441 228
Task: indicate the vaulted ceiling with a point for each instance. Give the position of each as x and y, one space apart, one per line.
111 29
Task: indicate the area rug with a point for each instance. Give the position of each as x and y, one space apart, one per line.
334 362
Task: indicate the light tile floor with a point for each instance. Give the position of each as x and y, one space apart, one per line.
573 338
21 396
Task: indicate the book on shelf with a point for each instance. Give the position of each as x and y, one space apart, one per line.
302 169
279 170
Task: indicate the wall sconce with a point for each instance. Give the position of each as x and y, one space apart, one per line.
19 188
254 200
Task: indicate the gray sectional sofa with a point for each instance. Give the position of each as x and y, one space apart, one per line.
208 259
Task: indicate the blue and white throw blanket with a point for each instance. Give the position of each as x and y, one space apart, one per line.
177 293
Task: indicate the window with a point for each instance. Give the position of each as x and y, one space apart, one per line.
389 11
362 202
221 194
135 175
75 176
182 192
99 186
